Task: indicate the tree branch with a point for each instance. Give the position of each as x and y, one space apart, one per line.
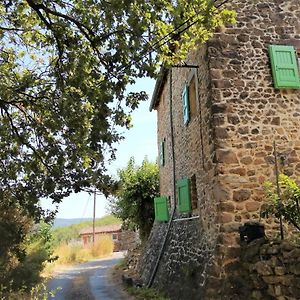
87 32
36 8
11 29
15 131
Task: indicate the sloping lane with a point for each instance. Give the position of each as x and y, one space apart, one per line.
88 281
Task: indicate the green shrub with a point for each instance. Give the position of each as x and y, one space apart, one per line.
24 249
38 292
38 250
285 205
146 294
132 201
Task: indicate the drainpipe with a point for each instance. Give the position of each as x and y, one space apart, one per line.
172 141
174 184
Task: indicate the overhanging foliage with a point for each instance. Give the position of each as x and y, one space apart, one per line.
64 68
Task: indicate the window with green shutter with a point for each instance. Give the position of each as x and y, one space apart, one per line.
183 194
162 153
161 209
284 66
186 105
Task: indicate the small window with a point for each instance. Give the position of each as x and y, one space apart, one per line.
115 236
186 105
161 209
162 153
189 99
183 194
284 66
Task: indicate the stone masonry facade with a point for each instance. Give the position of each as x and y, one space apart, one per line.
270 270
227 149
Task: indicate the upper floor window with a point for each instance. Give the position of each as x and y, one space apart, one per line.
186 104
162 153
285 69
189 98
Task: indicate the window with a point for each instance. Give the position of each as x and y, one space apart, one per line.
115 236
284 66
186 105
162 153
189 97
183 194
161 209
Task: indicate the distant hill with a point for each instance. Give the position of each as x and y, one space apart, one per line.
59 222
68 232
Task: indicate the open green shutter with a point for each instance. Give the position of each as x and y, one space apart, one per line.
183 194
186 105
284 66
161 209
162 153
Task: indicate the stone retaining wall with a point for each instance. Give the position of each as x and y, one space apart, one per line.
183 267
272 270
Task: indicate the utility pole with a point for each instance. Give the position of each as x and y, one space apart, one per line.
94 217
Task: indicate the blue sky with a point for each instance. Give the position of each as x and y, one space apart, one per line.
140 141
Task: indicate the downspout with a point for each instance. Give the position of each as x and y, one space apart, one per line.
174 184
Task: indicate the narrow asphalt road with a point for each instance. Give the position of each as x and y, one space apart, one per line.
87 281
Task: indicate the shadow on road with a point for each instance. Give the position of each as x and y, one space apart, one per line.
87 281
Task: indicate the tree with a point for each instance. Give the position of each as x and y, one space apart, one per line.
24 249
133 202
64 68
286 204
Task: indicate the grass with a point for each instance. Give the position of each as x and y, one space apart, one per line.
146 294
39 292
69 254
140 293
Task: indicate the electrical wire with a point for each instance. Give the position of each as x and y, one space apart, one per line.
86 205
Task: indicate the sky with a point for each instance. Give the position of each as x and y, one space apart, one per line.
140 141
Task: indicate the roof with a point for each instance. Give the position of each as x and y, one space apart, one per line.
101 229
162 76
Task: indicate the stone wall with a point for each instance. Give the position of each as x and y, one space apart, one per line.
127 240
227 147
183 268
250 115
271 270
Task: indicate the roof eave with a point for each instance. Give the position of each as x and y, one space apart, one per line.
158 87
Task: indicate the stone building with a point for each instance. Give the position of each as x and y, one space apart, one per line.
122 240
218 118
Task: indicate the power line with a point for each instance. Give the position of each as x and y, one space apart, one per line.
86 205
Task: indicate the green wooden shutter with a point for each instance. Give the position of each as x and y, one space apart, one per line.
284 66
186 105
162 153
183 194
161 209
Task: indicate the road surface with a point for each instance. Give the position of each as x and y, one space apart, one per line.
88 281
